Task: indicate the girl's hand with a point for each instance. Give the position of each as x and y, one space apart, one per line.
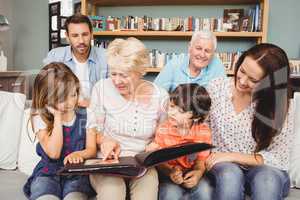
176 175
192 178
215 158
73 158
110 148
53 111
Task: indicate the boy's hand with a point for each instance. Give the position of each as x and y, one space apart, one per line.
176 175
73 158
192 178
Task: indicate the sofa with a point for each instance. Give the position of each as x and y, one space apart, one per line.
17 149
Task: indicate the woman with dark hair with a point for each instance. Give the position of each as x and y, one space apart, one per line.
251 124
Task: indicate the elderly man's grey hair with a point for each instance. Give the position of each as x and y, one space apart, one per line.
204 34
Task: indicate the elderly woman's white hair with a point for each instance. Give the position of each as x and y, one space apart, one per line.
204 34
128 55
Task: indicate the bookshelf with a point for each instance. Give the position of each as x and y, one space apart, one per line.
187 34
89 7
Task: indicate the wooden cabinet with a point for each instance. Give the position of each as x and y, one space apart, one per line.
14 81
89 7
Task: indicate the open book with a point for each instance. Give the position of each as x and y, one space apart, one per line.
133 166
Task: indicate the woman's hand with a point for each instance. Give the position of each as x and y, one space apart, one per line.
110 148
191 178
151 147
215 158
74 158
176 175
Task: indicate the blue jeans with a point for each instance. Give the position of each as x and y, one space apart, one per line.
53 185
168 190
261 183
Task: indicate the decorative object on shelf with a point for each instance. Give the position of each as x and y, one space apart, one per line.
3 61
4 26
77 8
295 67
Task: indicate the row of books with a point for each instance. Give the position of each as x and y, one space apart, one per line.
233 20
229 59
158 59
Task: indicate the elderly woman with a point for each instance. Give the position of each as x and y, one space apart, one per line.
124 112
252 124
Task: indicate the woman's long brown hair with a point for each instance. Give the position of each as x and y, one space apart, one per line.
272 93
51 86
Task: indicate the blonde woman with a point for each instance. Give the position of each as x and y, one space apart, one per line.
124 113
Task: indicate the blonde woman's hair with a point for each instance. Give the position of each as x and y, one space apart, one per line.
128 55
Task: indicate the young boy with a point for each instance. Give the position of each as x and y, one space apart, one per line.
189 107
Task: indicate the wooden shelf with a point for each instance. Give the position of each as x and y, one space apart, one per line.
153 69
175 34
230 72
89 7
170 2
158 69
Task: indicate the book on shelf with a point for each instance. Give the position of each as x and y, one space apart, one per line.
133 166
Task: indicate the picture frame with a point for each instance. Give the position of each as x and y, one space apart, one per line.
62 22
232 18
54 37
54 8
77 8
245 23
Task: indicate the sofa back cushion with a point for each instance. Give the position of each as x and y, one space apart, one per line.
11 117
294 170
27 154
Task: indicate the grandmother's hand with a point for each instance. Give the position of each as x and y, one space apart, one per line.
110 148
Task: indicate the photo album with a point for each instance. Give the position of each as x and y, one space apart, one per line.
133 166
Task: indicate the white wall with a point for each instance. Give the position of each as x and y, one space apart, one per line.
30 33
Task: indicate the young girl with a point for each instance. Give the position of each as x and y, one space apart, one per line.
189 106
61 134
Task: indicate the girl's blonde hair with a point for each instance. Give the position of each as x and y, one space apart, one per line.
51 86
129 55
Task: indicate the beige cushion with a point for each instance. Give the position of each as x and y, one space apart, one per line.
11 116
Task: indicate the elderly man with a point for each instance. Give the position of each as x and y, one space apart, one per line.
200 66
